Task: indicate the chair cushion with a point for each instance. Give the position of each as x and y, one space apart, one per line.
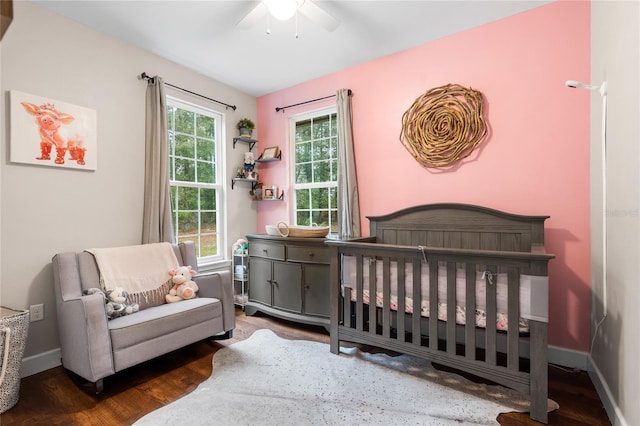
161 320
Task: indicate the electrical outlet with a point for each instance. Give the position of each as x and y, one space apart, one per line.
36 312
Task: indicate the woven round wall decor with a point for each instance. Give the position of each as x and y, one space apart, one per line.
444 125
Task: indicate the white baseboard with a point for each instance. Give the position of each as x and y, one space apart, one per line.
568 358
40 362
612 409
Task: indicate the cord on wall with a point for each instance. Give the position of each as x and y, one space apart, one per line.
602 89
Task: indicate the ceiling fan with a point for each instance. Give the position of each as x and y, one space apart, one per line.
286 9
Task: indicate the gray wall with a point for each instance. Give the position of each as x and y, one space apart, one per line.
46 210
615 51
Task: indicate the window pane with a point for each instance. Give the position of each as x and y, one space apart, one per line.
302 218
334 170
187 198
206 149
207 199
206 172
322 171
303 152
205 126
321 150
187 222
185 146
321 127
303 131
302 199
207 222
320 218
319 198
185 170
209 245
184 121
333 197
303 173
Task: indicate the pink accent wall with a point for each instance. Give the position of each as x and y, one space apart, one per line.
535 160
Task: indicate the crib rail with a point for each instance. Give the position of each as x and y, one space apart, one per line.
488 352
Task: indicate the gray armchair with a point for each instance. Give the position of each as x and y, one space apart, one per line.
94 347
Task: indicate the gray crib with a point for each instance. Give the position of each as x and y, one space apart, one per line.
490 294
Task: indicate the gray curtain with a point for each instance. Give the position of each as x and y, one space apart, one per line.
348 204
157 225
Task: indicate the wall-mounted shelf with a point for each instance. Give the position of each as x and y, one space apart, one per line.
251 142
280 198
270 159
254 182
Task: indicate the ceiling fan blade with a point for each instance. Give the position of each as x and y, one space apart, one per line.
318 15
253 16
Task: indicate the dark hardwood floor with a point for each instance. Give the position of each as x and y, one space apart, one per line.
54 398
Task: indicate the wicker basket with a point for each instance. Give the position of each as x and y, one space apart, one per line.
298 231
14 326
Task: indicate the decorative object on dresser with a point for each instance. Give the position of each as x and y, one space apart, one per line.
300 231
289 278
444 125
481 272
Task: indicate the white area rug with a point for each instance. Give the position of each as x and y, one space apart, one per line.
267 380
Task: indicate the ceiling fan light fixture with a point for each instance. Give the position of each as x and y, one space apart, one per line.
282 9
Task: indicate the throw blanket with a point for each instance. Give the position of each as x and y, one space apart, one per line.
142 270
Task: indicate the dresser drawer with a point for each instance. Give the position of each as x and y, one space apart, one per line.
270 251
308 254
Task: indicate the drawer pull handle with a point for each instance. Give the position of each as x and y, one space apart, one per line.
311 254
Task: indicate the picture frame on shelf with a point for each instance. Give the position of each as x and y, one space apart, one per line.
270 193
270 153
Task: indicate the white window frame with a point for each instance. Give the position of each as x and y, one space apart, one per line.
221 202
292 154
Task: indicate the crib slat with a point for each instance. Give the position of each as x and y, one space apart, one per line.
415 316
470 313
433 305
372 296
346 308
386 297
513 308
491 346
451 307
401 300
359 291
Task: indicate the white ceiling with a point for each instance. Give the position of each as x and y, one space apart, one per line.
202 35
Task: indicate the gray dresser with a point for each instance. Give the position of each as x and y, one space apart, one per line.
289 278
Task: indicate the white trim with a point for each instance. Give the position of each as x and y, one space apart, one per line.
221 171
613 411
567 357
40 362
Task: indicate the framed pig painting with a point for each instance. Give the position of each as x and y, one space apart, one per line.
52 133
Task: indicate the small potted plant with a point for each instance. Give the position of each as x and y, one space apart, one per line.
245 126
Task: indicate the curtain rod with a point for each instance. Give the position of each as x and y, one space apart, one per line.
144 76
278 109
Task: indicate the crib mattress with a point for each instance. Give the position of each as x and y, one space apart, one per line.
500 280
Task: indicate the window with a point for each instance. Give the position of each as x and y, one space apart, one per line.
315 169
195 176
